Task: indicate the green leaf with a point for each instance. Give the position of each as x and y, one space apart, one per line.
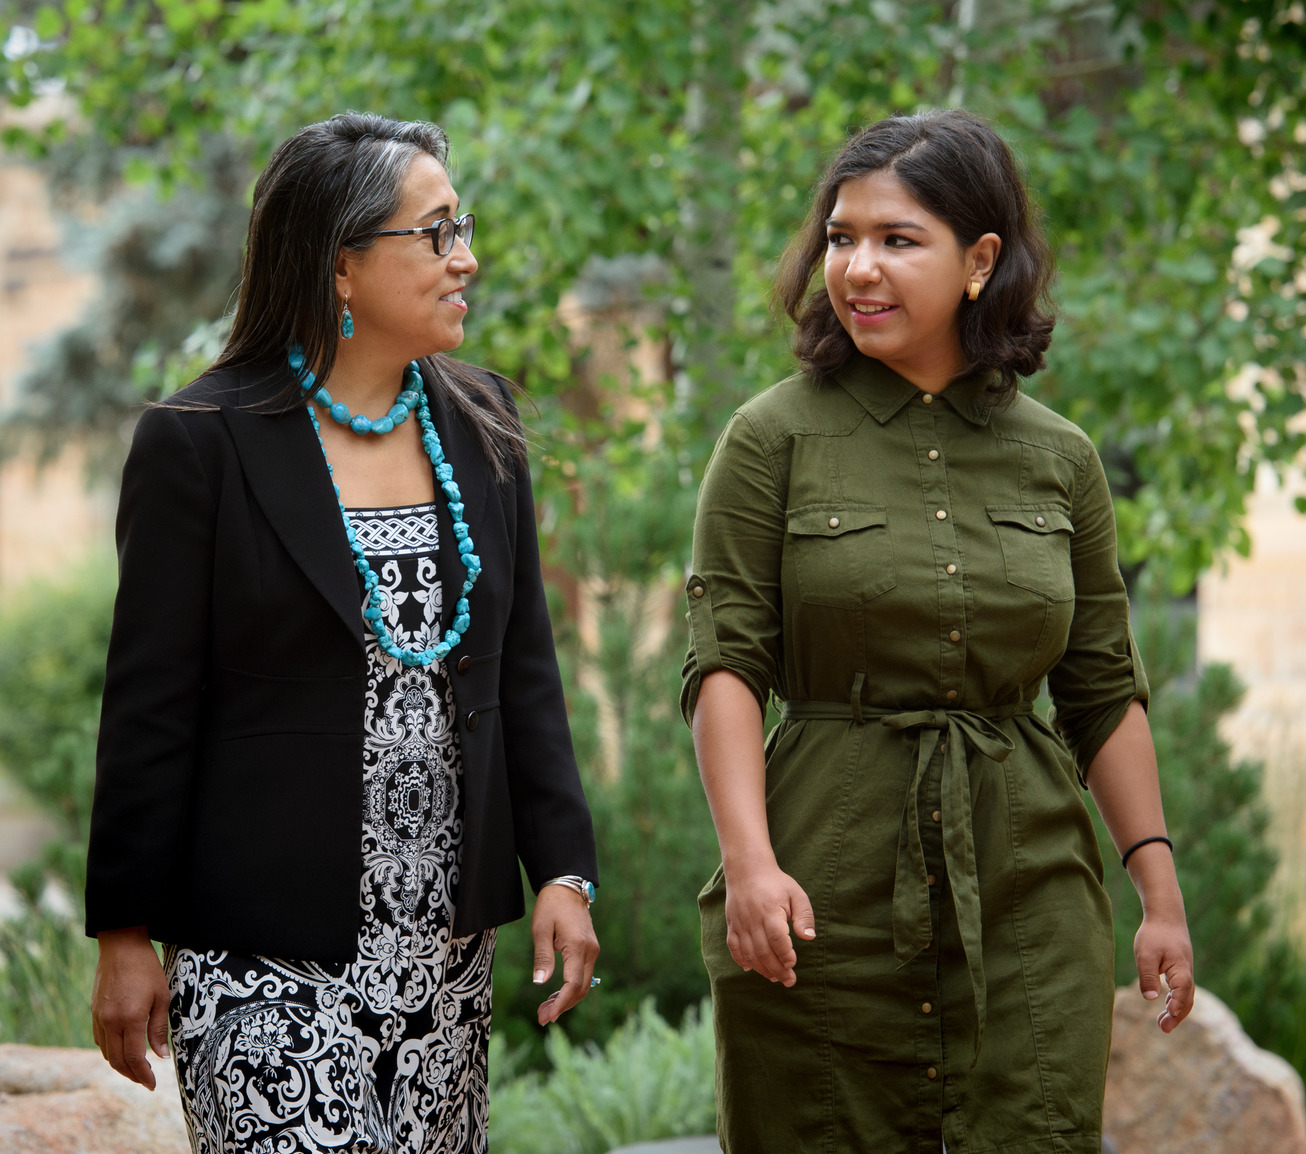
48 23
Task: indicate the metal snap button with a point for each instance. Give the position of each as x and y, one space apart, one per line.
698 591
834 522
1039 521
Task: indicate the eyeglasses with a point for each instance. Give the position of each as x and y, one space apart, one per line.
442 232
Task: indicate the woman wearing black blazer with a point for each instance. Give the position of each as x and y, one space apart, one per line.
295 666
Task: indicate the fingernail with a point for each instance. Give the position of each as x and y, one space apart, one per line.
1152 995
809 933
539 977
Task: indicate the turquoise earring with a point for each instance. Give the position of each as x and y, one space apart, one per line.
346 321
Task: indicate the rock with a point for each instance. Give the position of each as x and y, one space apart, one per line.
1204 1089
55 1101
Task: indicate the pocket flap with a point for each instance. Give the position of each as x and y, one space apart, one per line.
833 520
1036 520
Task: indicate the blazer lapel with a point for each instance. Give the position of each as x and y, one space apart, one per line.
287 473
471 474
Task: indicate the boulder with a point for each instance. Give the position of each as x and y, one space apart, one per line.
1204 1089
55 1101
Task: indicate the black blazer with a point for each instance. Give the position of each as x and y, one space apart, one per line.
228 796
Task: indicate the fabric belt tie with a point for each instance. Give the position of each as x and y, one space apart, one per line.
963 730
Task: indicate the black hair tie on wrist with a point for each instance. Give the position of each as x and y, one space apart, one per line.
1124 861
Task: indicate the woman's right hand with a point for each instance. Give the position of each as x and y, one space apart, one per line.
761 904
129 1003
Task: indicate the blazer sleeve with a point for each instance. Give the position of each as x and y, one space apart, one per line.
554 830
158 655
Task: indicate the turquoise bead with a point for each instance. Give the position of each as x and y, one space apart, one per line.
296 359
373 615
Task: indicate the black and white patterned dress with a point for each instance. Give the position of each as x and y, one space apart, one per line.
385 1054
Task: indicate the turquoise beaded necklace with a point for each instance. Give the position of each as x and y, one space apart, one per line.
412 396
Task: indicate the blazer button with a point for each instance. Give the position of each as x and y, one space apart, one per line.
465 664
473 720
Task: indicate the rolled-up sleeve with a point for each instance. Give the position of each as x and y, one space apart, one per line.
734 588
1100 673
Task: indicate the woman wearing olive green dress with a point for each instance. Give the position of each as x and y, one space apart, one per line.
901 548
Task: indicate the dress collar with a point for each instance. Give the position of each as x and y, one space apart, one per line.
882 392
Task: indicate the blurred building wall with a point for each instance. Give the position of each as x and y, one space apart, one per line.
49 517
1251 613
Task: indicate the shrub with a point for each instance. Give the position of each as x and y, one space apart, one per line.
53 639
1217 818
649 1081
47 966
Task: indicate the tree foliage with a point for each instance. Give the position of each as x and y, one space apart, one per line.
1163 140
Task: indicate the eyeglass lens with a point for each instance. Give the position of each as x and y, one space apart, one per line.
462 228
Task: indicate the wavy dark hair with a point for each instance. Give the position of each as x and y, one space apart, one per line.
325 187
960 170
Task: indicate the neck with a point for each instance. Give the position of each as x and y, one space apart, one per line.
365 379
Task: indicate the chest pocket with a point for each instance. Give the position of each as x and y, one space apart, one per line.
843 555
1036 549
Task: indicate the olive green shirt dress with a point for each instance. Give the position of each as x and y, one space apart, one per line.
900 572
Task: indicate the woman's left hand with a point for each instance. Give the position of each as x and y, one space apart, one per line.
561 924
1162 949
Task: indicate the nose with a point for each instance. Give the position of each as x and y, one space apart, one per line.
461 259
863 265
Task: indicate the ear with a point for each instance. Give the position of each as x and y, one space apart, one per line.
982 258
343 267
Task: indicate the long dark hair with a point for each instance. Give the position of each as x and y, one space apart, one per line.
324 187
960 170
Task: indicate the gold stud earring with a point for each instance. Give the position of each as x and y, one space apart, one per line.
974 291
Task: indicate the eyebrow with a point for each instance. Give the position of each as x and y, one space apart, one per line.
883 226
438 213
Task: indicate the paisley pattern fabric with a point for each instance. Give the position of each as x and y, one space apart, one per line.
385 1054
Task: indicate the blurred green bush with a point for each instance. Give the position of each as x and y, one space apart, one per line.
53 639
47 966
648 1081
1217 818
